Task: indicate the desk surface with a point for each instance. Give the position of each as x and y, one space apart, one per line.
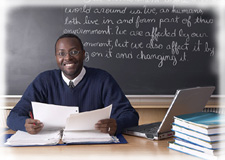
136 148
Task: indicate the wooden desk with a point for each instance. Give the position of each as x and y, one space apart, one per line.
136 149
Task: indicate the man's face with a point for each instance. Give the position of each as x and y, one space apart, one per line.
70 65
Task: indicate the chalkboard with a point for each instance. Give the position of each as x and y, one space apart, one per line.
149 50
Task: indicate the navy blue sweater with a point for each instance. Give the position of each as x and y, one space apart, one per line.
96 90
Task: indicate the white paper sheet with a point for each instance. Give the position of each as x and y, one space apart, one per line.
52 116
87 120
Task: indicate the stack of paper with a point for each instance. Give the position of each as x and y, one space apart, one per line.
21 138
87 137
79 127
200 134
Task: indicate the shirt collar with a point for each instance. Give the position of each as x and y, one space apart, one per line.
75 80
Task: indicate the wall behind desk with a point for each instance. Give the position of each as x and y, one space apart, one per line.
149 50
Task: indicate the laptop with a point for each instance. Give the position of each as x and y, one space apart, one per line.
185 101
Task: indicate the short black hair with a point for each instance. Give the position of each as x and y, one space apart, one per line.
70 35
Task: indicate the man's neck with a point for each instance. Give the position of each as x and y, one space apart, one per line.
77 79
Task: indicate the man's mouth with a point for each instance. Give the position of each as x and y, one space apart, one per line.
69 64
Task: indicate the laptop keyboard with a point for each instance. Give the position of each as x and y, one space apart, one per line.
146 128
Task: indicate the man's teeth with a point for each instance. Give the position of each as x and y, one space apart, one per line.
69 65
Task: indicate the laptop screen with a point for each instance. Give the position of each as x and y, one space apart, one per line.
186 101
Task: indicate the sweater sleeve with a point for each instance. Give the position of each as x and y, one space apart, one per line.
122 111
19 114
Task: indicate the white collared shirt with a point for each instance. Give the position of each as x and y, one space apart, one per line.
75 80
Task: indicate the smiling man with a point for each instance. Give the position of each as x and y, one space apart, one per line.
74 85
69 56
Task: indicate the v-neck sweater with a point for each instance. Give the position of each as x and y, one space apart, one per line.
96 90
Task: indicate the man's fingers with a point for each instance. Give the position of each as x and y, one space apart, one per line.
34 129
33 126
107 126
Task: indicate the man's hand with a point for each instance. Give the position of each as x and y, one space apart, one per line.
33 126
107 126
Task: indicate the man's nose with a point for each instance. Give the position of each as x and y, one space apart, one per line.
68 56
